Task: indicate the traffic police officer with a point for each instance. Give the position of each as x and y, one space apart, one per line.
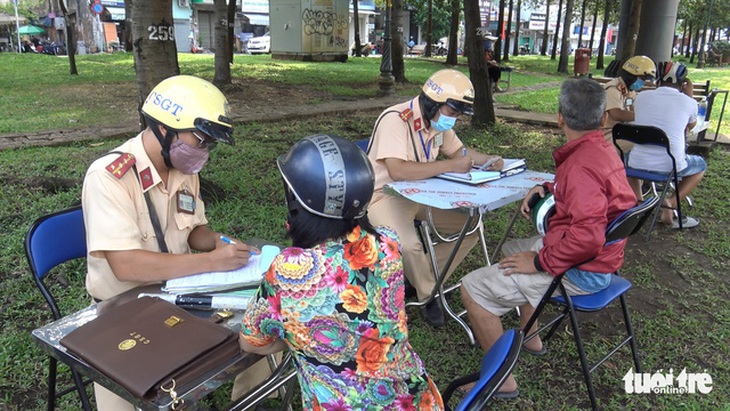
141 203
405 144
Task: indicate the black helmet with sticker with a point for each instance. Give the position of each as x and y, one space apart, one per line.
328 176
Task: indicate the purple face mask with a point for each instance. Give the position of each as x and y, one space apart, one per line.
186 158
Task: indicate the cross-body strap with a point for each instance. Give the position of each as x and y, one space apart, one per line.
410 133
150 208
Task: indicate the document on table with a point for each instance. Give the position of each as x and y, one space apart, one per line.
249 275
476 176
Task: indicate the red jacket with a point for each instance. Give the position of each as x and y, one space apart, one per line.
590 191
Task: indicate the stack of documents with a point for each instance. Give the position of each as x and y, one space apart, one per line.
476 176
248 276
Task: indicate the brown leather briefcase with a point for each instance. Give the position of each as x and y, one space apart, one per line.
150 346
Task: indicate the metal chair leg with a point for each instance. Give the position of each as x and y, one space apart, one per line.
581 351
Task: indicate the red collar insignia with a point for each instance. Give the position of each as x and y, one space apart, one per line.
406 114
417 124
145 177
121 165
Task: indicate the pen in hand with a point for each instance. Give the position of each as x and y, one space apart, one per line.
227 240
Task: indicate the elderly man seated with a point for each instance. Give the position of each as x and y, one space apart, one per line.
590 191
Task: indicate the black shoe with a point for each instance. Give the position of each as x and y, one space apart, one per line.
433 313
410 290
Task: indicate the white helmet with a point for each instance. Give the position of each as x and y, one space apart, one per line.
542 211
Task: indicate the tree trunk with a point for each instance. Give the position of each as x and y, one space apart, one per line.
565 43
543 48
128 40
509 31
452 56
688 47
558 24
356 26
582 23
474 46
695 44
429 28
396 44
516 47
231 18
604 30
629 42
70 38
155 54
500 31
593 26
222 74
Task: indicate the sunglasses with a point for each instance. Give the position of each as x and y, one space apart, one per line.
204 143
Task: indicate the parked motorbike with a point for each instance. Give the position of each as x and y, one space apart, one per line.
524 49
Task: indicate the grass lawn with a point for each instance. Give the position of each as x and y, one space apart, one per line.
679 301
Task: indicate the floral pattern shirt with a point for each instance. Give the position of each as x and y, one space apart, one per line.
340 308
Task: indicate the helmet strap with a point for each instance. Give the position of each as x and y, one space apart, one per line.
428 107
165 141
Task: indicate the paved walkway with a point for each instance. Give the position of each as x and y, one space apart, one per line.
269 114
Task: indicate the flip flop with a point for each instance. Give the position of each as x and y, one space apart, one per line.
537 353
507 395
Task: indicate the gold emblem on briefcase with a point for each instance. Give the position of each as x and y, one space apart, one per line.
127 344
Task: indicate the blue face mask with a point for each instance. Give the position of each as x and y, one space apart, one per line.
444 123
638 84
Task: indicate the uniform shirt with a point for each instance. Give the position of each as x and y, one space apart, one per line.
117 218
395 137
616 95
670 110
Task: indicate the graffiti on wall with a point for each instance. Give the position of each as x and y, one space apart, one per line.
321 22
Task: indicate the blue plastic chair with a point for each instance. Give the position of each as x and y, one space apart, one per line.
654 136
52 240
623 226
497 364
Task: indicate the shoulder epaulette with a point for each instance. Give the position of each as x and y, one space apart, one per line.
406 114
121 165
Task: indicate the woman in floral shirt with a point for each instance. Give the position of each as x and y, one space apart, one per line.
336 298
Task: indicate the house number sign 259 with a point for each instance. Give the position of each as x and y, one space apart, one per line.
161 33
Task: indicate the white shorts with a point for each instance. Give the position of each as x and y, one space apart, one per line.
499 293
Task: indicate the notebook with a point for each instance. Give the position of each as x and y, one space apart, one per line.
249 275
511 166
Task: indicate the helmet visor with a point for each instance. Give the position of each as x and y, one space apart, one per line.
460 106
219 132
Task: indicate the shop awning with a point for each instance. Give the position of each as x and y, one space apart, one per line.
257 19
117 13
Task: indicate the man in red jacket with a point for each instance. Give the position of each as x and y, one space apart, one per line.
590 191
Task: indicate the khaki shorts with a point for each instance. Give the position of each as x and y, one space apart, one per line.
499 293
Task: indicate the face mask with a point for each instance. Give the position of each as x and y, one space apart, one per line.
187 159
638 84
444 123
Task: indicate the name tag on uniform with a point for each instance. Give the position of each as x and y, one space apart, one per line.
185 202
438 140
